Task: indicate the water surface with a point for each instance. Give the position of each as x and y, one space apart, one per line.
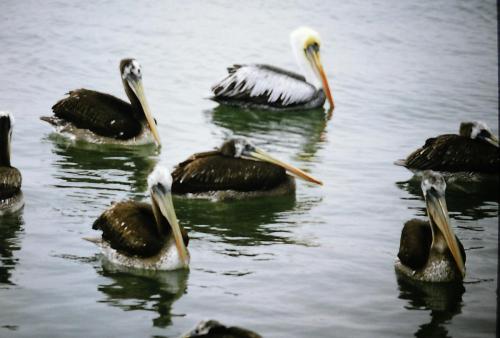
317 264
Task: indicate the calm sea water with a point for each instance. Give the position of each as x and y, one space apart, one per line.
317 264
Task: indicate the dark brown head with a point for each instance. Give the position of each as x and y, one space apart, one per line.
237 147
479 131
214 329
131 73
6 125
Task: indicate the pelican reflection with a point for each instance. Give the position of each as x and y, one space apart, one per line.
305 130
443 300
254 222
143 290
11 227
110 167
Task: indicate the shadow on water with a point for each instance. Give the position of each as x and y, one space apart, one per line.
133 289
103 166
306 129
243 223
471 197
11 226
444 300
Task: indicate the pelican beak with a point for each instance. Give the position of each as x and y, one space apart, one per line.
136 85
312 53
163 199
438 212
261 155
490 138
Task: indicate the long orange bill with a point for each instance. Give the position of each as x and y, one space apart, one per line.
319 66
263 156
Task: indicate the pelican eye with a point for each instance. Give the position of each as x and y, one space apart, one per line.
314 47
161 188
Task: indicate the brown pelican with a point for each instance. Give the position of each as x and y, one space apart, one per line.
475 149
145 236
236 169
11 198
214 329
102 118
430 251
271 87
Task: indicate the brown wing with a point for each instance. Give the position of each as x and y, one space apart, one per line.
213 172
415 243
10 182
455 153
130 227
101 113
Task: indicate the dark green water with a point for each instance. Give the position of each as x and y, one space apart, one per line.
315 264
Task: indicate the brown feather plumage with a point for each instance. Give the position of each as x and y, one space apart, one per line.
101 113
211 171
455 153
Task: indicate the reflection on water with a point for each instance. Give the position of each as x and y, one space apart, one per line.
103 166
444 300
303 128
466 199
132 289
242 223
11 226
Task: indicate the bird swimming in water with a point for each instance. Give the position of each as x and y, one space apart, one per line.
11 198
270 87
430 251
237 169
214 329
102 118
475 149
145 236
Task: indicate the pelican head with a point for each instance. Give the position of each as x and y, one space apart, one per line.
240 147
213 328
306 44
132 81
6 125
160 186
443 238
478 130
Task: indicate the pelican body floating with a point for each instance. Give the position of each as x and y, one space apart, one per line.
270 87
430 251
11 198
101 118
237 169
475 149
144 236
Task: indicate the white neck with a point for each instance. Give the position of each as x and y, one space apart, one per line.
305 66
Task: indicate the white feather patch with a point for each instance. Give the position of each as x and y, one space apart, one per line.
160 174
256 81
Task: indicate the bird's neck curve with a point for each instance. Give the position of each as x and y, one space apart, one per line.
306 67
